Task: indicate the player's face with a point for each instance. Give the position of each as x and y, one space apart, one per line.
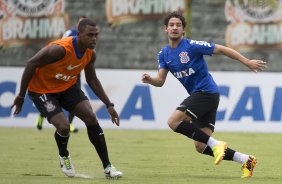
174 29
89 36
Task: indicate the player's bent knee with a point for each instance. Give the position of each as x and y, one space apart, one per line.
90 119
63 129
172 124
176 118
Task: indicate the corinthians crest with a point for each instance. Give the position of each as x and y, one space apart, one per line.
253 10
49 106
184 58
32 7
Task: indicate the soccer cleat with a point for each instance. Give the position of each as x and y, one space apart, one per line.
248 167
39 122
112 173
73 129
219 152
66 166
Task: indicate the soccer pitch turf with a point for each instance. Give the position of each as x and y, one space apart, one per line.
30 156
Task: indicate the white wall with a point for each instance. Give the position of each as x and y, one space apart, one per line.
249 101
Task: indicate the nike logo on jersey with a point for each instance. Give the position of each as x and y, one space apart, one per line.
168 62
70 67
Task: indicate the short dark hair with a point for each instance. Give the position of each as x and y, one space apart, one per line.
81 17
175 14
85 22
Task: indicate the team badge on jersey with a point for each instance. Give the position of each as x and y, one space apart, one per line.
49 106
184 58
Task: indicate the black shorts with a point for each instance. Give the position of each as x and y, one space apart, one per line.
202 108
78 81
52 103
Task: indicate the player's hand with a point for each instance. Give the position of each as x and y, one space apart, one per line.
114 115
256 65
146 78
18 103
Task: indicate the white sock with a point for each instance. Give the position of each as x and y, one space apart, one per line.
240 157
212 142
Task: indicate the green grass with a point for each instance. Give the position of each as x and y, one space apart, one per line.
30 156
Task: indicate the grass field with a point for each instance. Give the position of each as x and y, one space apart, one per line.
145 157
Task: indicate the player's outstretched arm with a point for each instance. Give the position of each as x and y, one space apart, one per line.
97 88
254 64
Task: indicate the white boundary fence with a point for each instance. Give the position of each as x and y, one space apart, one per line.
250 102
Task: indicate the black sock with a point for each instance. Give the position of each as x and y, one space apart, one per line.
208 151
97 138
229 153
188 129
71 116
62 143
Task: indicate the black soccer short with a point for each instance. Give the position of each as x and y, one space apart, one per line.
201 107
52 103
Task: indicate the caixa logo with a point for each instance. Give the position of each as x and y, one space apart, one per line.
139 103
250 104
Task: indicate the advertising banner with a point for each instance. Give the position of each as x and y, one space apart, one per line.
254 24
26 22
125 11
250 102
